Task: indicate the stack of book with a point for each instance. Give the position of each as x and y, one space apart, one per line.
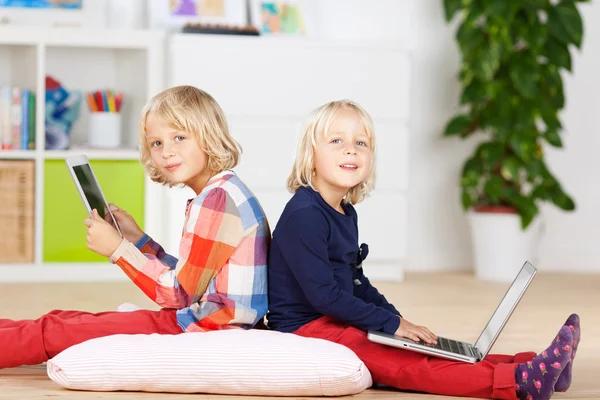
17 118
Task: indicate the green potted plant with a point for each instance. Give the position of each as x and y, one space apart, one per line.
513 53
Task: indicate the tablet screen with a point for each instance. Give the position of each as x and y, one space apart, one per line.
90 188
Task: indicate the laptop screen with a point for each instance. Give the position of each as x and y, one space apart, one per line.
505 309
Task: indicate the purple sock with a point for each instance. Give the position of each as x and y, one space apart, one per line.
536 378
564 380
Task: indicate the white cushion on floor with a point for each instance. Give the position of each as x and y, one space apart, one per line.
255 362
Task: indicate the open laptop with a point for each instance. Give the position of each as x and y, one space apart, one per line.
467 352
89 189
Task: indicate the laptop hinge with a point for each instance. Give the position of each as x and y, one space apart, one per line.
478 354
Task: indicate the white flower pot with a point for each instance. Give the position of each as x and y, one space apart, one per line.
501 246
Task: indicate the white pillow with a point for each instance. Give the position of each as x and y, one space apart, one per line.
255 362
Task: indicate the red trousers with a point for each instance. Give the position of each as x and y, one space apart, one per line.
30 342
494 377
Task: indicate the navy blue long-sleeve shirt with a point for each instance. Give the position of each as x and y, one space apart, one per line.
315 269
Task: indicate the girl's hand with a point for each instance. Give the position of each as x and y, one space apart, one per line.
102 238
415 333
129 228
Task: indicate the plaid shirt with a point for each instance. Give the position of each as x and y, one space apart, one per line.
220 278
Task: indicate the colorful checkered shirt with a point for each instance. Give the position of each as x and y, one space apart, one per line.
220 278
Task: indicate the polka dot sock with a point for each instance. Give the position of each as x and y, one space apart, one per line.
564 380
536 378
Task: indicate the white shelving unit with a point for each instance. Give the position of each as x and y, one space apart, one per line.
84 60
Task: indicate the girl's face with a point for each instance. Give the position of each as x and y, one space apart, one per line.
342 155
177 154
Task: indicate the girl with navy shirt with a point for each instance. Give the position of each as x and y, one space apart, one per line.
317 287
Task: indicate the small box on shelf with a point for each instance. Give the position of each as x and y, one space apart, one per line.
17 195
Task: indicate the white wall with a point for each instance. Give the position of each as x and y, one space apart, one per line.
571 239
439 237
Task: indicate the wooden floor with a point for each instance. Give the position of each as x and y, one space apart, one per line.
452 305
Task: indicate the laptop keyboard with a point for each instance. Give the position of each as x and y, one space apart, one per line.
448 345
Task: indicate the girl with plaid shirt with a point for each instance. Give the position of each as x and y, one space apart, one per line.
219 279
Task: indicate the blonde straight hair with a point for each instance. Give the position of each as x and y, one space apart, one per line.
317 125
189 109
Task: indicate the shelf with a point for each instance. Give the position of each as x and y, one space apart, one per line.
94 154
17 154
81 60
68 37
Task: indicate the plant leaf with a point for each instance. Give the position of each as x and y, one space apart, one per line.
524 78
524 146
504 10
458 125
565 24
534 33
474 92
470 38
450 8
490 153
562 200
471 173
558 54
553 138
493 188
468 198
527 209
552 85
510 169
549 115
487 61
571 20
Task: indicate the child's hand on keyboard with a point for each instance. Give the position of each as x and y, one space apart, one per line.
414 332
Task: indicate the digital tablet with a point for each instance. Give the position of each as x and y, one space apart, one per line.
89 189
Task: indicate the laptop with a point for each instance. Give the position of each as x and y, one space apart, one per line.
462 351
89 189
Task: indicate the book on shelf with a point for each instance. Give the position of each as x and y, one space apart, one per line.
17 118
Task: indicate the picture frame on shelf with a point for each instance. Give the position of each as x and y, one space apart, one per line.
282 17
55 14
174 15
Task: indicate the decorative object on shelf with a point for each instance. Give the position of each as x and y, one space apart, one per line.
513 55
62 110
218 29
104 123
54 13
278 17
174 15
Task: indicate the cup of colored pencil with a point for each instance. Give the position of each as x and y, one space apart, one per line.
105 101
104 124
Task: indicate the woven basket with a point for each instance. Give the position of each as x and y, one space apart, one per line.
17 201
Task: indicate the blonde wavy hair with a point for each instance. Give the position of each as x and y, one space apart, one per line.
189 109
317 125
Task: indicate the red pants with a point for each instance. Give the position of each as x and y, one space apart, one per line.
493 377
30 342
